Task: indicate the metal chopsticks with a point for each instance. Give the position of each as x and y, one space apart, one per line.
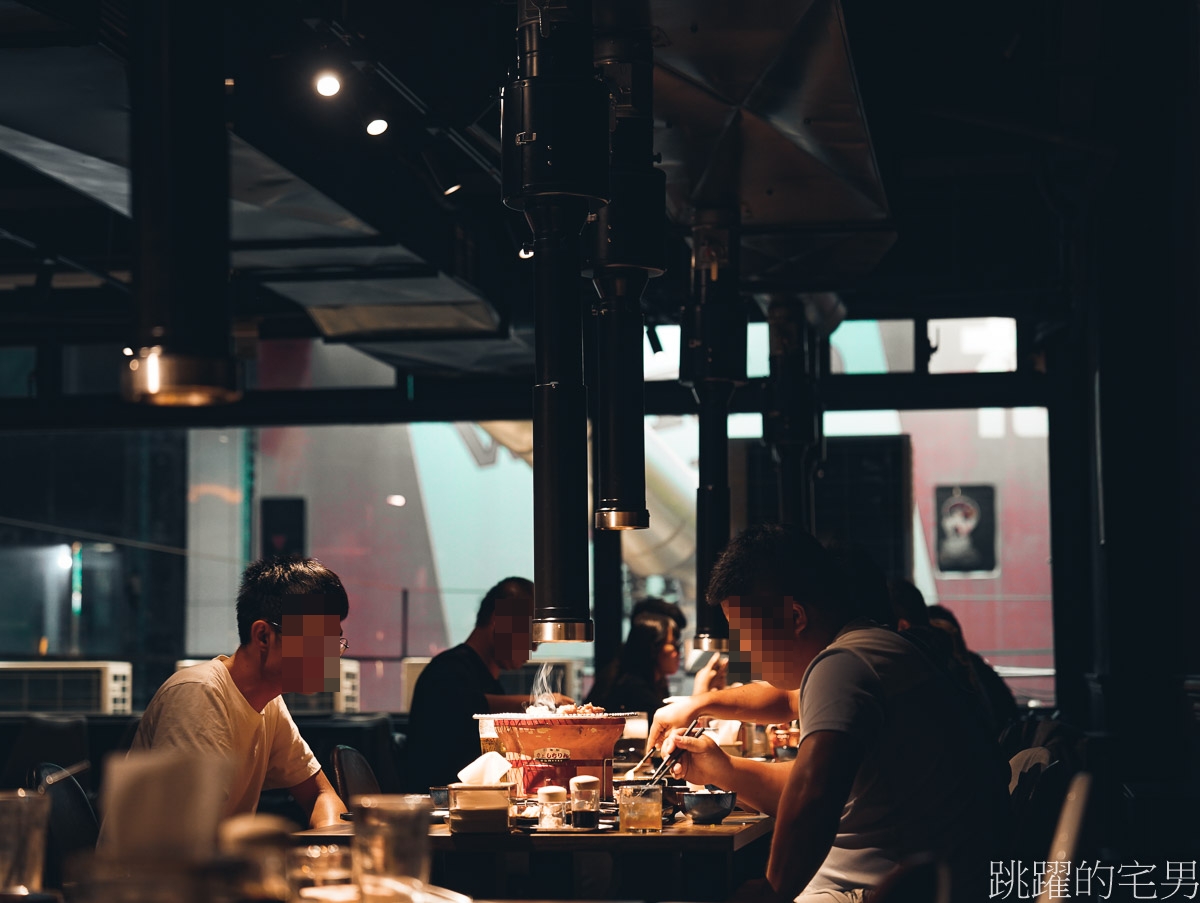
668 763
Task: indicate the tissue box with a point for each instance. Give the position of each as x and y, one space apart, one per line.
479 808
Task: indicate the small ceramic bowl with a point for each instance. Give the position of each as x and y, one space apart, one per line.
708 808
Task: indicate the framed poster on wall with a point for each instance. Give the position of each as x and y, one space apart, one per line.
966 530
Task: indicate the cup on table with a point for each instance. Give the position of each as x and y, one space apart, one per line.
585 801
391 844
639 807
320 872
23 818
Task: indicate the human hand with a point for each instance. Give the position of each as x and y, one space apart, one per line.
712 675
676 714
702 761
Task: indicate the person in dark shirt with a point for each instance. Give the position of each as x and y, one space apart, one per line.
462 682
649 656
1002 704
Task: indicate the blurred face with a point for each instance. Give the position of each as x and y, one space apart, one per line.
764 630
668 655
513 629
310 645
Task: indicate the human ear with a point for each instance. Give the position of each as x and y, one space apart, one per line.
799 618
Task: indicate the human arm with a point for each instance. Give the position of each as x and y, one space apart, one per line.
712 675
758 784
809 809
757 702
318 798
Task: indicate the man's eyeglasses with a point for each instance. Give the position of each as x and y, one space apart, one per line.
344 643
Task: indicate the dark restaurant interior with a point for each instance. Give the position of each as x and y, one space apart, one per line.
290 278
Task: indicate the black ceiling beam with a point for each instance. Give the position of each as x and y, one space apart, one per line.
490 398
340 273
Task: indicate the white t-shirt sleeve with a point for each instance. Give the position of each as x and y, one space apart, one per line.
190 717
841 692
291 761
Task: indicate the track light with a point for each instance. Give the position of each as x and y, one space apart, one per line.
328 84
377 127
453 188
526 251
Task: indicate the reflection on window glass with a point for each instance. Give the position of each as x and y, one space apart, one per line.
871 346
973 345
17 365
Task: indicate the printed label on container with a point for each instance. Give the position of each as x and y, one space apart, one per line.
552 754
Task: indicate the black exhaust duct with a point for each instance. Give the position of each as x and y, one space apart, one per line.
179 153
627 250
792 423
554 123
712 360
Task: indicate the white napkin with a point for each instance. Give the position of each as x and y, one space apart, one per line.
724 732
162 806
490 768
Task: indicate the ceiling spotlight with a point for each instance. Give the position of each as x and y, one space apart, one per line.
328 84
526 252
453 188
376 126
127 351
396 501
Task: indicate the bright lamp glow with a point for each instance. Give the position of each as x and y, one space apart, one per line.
328 84
65 559
396 501
376 126
449 191
525 253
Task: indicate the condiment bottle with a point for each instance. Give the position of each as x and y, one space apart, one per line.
552 807
585 801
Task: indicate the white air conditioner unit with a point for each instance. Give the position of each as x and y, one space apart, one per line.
91 687
345 700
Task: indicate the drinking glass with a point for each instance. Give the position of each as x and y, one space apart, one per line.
640 808
23 818
391 844
320 872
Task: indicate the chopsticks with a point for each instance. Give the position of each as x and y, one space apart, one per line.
668 763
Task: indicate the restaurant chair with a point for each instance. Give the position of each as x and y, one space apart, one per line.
352 774
46 738
1037 786
72 828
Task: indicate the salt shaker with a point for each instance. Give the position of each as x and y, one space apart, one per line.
552 807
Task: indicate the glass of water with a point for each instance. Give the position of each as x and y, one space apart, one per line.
320 872
391 844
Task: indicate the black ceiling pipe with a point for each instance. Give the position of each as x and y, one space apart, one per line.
628 248
179 154
712 360
554 134
792 422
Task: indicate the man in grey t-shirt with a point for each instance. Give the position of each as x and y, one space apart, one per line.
891 764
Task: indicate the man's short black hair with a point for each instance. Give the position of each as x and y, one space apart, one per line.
908 603
780 560
509 586
266 582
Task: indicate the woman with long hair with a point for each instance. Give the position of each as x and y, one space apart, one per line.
637 682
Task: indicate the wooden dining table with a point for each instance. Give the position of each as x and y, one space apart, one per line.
684 862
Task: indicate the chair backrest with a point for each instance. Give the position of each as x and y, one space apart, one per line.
72 828
1037 787
352 774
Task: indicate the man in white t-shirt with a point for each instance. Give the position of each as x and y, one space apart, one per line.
289 614
892 763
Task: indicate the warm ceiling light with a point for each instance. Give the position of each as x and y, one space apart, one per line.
328 84
376 126
396 501
127 351
525 253
453 188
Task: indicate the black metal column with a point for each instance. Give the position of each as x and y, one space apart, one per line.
555 166
179 154
713 362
